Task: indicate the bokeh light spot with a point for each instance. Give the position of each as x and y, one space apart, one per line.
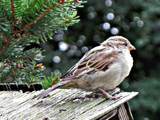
58 37
96 38
91 15
82 37
70 53
56 59
74 47
63 46
146 119
91 9
78 53
140 23
114 31
110 16
80 42
136 19
106 26
84 49
108 3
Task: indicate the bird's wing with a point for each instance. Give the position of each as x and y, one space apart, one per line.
98 59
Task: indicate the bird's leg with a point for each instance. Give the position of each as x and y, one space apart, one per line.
97 94
110 89
113 91
105 94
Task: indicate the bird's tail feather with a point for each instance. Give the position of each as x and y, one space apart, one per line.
45 93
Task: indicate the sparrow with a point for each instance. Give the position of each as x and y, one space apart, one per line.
102 68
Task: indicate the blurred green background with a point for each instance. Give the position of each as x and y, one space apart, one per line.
137 20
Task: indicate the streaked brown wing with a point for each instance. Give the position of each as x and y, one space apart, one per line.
100 65
95 60
75 71
69 73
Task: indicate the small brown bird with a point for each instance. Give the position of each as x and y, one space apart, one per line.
103 67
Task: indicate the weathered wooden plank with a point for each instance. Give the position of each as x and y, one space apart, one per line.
18 105
105 107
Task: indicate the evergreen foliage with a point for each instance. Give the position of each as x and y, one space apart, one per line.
51 80
23 22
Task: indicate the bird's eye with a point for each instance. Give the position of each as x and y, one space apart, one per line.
126 44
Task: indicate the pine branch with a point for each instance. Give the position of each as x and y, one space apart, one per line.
17 33
32 4
45 12
13 15
1 3
3 67
20 58
12 28
3 36
7 44
14 71
41 15
38 17
4 41
24 22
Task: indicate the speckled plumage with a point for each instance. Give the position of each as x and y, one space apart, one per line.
104 66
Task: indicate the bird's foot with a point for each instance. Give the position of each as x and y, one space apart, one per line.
110 89
88 97
107 95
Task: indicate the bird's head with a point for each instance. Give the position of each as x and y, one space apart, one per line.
118 42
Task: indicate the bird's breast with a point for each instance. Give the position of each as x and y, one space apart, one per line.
110 78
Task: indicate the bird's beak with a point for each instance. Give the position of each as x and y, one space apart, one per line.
131 47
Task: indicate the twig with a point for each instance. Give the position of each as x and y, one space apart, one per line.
14 71
41 15
4 40
19 58
12 27
13 15
32 4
